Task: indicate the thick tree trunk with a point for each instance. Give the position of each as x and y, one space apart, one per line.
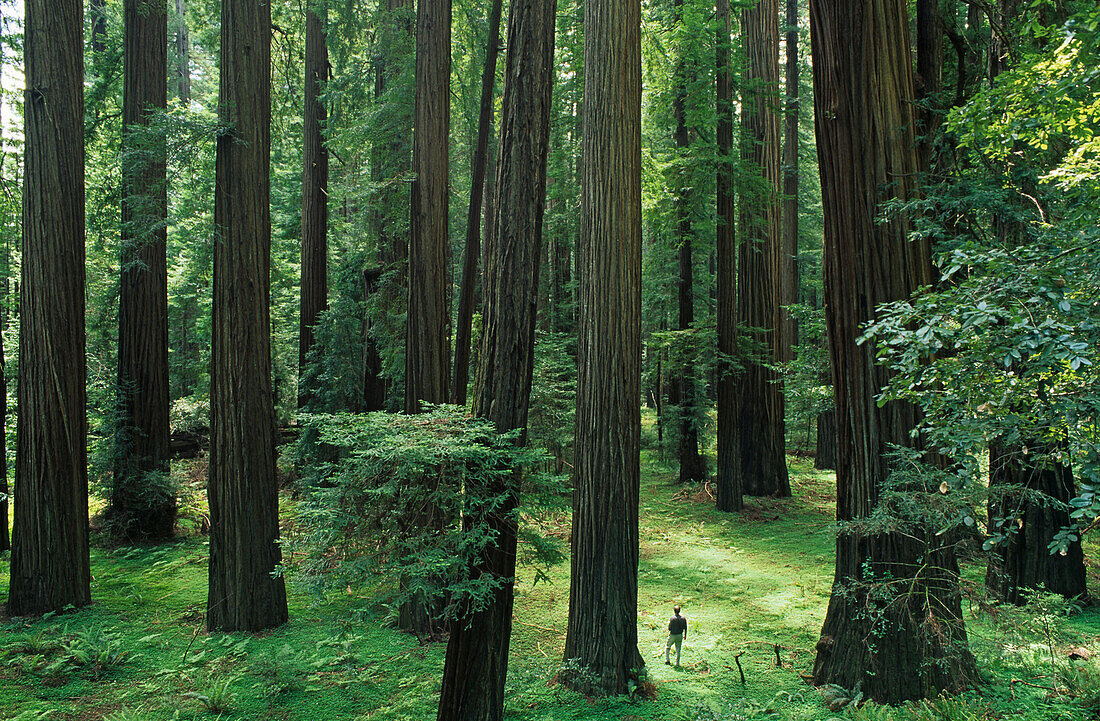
465 321
602 633
760 426
49 555
427 348
183 54
244 501
910 643
477 652
825 455
729 478
314 281
1032 509
929 79
693 466
138 510
786 334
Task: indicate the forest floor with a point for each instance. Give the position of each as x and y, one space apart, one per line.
749 584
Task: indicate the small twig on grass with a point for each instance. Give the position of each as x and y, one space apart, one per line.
778 661
1013 682
539 647
541 628
737 660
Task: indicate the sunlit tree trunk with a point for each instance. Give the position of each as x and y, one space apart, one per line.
49 556
183 54
760 425
602 632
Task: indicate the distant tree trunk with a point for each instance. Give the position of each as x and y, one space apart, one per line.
465 319
244 501
477 652
390 168
49 556
787 285
138 510
97 13
374 385
693 466
915 646
427 348
314 294
761 428
602 632
183 54
5 540
1024 562
427 335
729 478
929 79
825 456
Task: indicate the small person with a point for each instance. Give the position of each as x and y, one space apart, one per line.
677 632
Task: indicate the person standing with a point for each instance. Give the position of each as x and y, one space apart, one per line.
677 632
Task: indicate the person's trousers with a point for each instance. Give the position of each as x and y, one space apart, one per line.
674 638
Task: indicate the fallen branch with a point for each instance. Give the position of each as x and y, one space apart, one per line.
737 660
541 628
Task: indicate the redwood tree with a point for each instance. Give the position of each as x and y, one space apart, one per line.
602 632
244 595
787 260
760 427
472 255
141 507
893 627
729 480
314 190
477 652
427 346
49 555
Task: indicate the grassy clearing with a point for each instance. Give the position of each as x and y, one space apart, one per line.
747 583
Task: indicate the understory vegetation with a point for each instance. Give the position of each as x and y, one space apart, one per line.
754 587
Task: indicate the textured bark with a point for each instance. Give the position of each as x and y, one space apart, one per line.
825 455
786 334
729 479
183 54
136 511
693 466
244 502
465 320
427 347
49 555
911 643
760 426
1031 502
602 632
929 79
314 281
477 652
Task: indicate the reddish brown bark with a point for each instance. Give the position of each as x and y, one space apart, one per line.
49 556
244 503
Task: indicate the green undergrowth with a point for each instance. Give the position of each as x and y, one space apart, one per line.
754 586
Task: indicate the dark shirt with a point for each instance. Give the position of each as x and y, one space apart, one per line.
677 625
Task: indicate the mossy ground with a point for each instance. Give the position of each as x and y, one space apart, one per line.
747 582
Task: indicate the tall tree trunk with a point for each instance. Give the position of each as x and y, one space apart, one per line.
465 319
97 14
139 508
693 466
825 453
929 79
49 556
427 348
787 278
244 501
602 632
729 470
314 193
427 335
761 430
1024 563
5 540
915 646
477 652
183 54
